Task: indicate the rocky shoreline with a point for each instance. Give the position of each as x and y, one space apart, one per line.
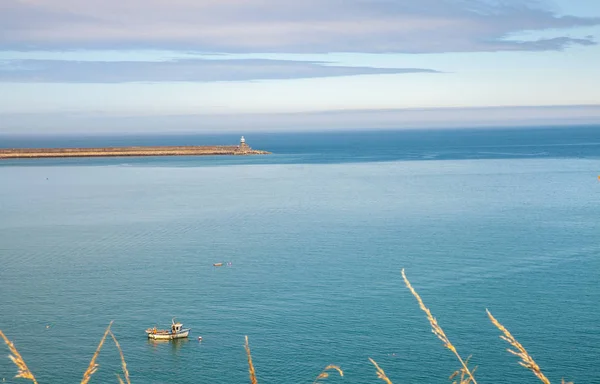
20 153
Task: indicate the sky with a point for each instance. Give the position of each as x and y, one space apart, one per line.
71 66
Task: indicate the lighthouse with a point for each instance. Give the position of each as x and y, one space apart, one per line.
243 146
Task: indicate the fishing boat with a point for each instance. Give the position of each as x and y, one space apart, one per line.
176 332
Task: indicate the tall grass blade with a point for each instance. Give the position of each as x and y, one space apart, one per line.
324 374
526 359
93 367
438 331
380 373
250 365
123 363
16 358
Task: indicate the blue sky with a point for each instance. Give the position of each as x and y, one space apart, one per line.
73 66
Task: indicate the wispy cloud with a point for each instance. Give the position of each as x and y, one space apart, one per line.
188 70
90 123
285 25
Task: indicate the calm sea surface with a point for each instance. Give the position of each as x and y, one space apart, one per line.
316 234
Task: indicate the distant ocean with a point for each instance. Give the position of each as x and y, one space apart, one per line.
317 233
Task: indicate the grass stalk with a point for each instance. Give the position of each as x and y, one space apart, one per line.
251 371
519 351
380 373
324 374
123 363
16 358
93 367
439 332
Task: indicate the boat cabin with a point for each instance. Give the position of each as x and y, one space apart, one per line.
176 327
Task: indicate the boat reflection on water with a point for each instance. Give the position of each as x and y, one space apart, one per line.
176 344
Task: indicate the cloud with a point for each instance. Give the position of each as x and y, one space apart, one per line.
289 26
99 123
189 70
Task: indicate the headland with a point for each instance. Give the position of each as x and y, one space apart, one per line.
189 150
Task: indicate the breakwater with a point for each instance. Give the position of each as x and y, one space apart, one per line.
15 153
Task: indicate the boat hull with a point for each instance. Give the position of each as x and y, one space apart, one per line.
169 336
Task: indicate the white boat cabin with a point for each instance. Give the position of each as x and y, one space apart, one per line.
176 327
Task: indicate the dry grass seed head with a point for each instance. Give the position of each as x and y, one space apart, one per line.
324 374
250 365
464 378
123 363
93 367
16 358
526 359
380 373
464 375
437 330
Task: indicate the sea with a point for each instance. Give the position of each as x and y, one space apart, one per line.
313 239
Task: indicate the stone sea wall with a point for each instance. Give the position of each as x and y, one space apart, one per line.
14 153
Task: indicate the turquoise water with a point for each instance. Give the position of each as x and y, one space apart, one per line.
317 235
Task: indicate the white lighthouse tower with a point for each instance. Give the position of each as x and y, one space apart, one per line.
243 146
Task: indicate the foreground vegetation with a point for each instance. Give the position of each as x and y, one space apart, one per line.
464 375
